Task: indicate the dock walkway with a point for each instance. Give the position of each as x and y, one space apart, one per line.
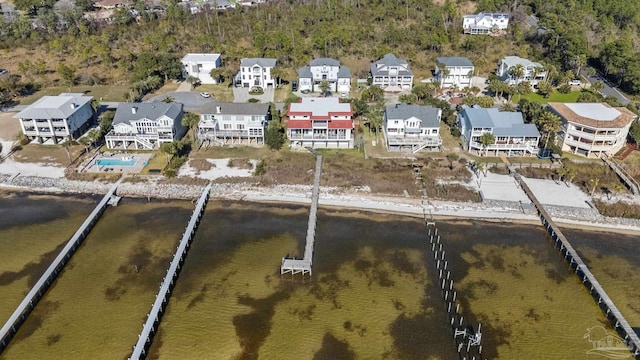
303 266
29 302
157 309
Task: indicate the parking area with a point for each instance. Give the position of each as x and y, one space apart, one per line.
241 95
192 101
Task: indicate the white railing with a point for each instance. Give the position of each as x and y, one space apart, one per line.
530 147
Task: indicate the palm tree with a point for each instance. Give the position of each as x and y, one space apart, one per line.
594 184
597 86
508 107
374 119
571 174
581 60
444 73
168 99
171 148
191 121
193 81
324 87
549 122
517 72
487 139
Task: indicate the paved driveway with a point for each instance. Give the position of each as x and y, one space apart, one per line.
607 89
241 95
192 101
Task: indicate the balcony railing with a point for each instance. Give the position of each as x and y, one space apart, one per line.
526 146
589 146
318 137
403 140
592 136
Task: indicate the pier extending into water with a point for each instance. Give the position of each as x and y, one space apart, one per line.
303 266
588 279
150 326
43 284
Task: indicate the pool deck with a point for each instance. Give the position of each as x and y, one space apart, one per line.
93 167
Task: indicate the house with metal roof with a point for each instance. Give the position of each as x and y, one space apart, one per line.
320 123
591 129
391 73
512 136
256 72
485 23
233 123
145 126
456 71
412 127
324 69
56 118
533 72
200 66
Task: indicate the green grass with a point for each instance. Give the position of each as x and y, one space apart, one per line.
104 92
554 97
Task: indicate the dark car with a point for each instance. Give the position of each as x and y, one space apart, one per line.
294 85
3 71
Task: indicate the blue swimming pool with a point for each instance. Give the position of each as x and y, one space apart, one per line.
116 162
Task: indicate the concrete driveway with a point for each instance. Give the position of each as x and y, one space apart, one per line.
607 89
192 101
241 95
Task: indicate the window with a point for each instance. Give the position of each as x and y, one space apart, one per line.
226 126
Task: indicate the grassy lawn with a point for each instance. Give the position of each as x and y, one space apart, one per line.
238 152
158 161
104 92
36 153
282 93
168 87
449 142
221 92
554 97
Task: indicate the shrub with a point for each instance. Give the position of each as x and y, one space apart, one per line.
261 169
253 100
564 89
256 90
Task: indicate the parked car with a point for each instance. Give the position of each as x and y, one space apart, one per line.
344 94
294 85
205 94
575 82
3 71
305 91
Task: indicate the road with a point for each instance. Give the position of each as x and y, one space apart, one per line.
607 89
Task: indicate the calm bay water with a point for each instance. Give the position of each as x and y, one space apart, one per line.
371 296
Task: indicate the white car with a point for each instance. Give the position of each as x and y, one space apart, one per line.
344 94
575 82
205 94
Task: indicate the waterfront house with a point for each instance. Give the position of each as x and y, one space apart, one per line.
590 129
145 126
56 118
412 127
320 123
511 135
200 66
233 123
456 71
533 72
391 73
255 72
324 70
485 23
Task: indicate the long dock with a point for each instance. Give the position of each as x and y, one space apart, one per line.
303 266
43 284
588 279
162 298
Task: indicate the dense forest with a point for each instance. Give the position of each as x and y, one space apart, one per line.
47 44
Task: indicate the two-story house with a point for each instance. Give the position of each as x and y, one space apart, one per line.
145 126
320 123
324 70
590 129
233 123
256 72
456 71
511 135
391 73
485 23
533 72
412 127
200 66
56 118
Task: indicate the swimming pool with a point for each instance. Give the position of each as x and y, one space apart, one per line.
116 162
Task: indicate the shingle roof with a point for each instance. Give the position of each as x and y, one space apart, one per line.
264 62
503 123
427 114
199 58
454 61
324 61
235 108
596 115
378 67
512 61
54 107
305 72
152 111
344 72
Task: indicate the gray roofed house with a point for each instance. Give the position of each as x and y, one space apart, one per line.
391 73
66 116
454 61
412 127
233 123
511 134
456 71
485 23
324 70
533 72
256 72
145 125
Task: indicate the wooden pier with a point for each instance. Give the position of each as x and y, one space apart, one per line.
43 284
588 279
150 326
303 266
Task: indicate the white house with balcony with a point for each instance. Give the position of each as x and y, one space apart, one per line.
145 126
200 66
512 136
56 118
533 72
320 123
456 71
233 123
412 127
590 129
391 73
256 72
485 23
321 70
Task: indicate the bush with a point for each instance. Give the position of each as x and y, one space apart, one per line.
261 169
564 89
256 90
253 100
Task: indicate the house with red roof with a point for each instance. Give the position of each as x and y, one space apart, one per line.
320 123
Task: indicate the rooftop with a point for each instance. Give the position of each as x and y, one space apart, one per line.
511 61
199 58
596 115
429 115
264 62
320 106
54 107
324 61
503 123
454 61
235 108
151 111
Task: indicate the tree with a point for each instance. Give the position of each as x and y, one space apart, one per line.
191 120
594 184
68 74
487 139
452 157
324 87
517 72
634 132
570 175
373 94
545 88
171 149
374 119
548 122
508 107
408 98
597 86
193 81
168 99
581 60
106 121
275 135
